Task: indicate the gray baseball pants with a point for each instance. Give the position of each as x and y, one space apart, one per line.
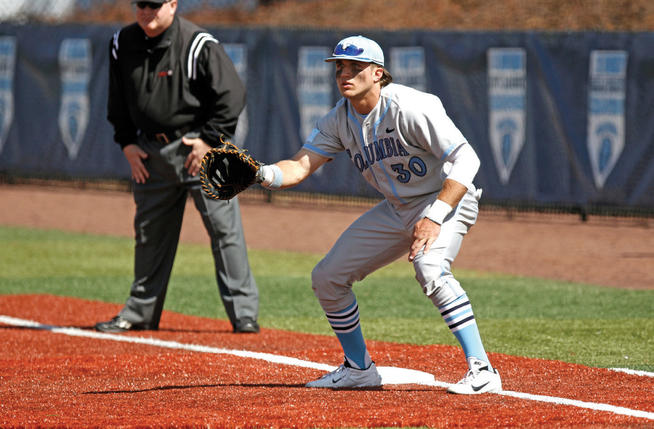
160 206
382 235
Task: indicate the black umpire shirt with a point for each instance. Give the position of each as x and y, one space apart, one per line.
179 81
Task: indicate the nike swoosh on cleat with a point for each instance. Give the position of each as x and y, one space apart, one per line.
478 388
390 130
336 380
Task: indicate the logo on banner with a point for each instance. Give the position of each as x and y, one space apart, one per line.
314 86
408 64
606 99
507 83
238 54
75 69
7 62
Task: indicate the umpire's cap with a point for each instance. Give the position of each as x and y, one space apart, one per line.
358 48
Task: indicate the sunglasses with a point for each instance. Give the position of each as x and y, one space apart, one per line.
149 4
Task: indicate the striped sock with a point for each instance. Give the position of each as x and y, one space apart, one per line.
347 328
459 318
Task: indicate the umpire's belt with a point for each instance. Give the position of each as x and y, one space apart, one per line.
169 136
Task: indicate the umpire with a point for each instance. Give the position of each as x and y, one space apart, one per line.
172 92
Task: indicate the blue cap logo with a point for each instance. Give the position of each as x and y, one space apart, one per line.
358 48
347 49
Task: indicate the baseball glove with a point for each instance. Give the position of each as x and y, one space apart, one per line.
227 170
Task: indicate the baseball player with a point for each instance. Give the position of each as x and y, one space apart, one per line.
407 148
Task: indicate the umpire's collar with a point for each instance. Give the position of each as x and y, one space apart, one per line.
165 39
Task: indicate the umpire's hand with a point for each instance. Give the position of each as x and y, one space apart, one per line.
135 156
194 159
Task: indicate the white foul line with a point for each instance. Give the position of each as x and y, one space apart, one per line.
390 375
633 372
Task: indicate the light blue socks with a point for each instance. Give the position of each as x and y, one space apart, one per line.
459 318
347 328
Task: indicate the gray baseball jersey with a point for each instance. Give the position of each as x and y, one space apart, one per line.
400 147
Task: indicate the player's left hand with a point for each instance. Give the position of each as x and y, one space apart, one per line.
425 232
194 159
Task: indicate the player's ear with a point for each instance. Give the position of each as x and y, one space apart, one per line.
378 73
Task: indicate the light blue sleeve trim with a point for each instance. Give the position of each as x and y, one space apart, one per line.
451 149
313 135
448 151
317 150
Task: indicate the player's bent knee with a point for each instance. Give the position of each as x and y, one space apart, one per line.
443 290
332 295
325 277
319 276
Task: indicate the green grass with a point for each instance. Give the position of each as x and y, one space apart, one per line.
591 325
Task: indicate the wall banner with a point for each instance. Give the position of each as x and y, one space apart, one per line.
507 77
237 52
315 83
7 64
314 86
75 66
407 66
606 100
556 118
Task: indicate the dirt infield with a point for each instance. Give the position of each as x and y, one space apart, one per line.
194 372
609 252
75 377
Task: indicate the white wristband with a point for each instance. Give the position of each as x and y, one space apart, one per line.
438 211
272 176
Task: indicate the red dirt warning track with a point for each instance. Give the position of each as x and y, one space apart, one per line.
50 379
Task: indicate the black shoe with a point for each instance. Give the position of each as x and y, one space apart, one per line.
117 324
246 326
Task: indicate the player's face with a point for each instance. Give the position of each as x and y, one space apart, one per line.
355 78
153 20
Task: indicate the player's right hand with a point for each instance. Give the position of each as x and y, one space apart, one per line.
135 156
425 232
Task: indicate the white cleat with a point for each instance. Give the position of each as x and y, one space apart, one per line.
479 379
348 377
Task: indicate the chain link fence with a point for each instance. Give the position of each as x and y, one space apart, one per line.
57 11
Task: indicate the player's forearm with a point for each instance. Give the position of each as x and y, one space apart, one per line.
293 173
290 172
465 165
452 192
283 174
448 198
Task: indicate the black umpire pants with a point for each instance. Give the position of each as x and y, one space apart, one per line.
160 204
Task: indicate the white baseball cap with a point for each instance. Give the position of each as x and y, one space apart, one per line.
358 48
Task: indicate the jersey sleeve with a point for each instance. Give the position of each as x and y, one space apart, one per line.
324 139
428 125
465 164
